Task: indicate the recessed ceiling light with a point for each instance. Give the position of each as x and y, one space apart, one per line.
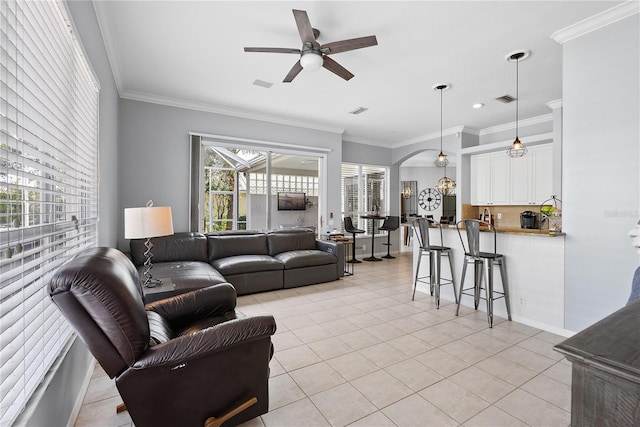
478 105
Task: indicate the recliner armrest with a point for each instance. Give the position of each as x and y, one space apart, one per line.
191 306
206 342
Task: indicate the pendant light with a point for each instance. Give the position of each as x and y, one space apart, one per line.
441 161
445 185
517 148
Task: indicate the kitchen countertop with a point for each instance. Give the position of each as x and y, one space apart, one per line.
517 230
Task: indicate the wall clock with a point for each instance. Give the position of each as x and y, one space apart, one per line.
429 199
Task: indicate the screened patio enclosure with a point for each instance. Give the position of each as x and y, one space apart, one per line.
241 187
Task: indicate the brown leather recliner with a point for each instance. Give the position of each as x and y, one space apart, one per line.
189 360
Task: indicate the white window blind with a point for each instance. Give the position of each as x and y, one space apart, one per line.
364 189
48 185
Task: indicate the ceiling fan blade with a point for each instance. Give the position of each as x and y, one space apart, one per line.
272 49
304 27
351 44
336 68
295 70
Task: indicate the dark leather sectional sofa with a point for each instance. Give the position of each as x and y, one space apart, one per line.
251 261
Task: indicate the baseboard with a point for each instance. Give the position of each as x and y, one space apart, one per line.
524 320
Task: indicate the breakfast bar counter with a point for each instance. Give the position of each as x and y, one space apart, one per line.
518 230
535 268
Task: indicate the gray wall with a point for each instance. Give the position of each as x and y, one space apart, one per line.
601 164
427 177
353 152
154 154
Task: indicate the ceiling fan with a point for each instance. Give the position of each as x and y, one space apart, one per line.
314 55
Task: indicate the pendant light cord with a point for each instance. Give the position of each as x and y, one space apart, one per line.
517 93
440 120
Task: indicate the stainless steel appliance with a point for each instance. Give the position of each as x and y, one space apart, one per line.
528 219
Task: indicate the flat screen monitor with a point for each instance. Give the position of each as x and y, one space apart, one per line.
292 201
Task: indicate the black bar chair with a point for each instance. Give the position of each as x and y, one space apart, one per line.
391 223
435 253
349 228
483 263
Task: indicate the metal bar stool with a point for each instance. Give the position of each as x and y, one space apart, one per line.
483 263
435 253
349 228
391 223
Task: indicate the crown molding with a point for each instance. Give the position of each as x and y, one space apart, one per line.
521 123
597 21
101 9
433 135
357 140
209 108
555 104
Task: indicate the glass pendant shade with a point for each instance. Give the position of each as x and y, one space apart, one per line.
441 161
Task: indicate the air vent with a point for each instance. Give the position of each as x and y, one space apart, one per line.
262 83
506 99
358 110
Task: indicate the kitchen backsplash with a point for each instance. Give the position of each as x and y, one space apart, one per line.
510 215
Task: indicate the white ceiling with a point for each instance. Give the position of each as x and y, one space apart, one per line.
190 53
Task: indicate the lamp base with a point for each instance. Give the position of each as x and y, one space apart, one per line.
149 281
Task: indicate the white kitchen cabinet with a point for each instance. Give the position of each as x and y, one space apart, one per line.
497 179
542 174
531 182
500 178
480 179
490 175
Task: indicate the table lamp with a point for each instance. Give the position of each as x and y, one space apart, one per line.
145 223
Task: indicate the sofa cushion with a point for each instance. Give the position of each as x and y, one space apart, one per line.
305 258
246 264
186 275
177 247
222 245
290 240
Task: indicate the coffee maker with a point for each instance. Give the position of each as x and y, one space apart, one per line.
529 220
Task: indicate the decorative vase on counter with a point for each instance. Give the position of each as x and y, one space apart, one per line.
555 221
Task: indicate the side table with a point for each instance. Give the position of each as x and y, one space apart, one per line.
165 290
347 242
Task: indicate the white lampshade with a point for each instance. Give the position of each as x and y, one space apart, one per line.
142 223
311 61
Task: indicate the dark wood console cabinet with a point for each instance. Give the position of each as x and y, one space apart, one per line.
605 357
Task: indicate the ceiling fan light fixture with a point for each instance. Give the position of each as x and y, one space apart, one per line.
311 61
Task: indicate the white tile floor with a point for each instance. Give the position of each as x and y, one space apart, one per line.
359 352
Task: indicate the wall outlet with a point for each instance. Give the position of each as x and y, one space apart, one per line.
364 247
499 215
523 302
